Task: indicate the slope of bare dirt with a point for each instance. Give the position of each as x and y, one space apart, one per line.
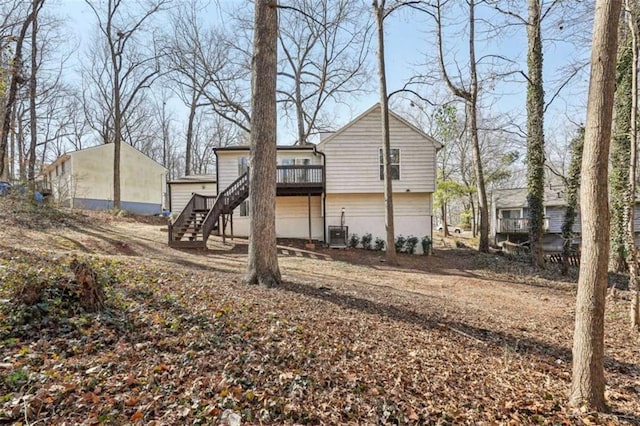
454 338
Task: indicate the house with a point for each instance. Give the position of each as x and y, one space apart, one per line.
327 191
510 218
180 190
84 179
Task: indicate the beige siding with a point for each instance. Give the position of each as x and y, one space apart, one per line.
181 193
292 219
228 167
142 180
63 184
364 213
228 162
353 163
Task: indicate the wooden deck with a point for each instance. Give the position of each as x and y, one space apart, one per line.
204 214
299 180
518 225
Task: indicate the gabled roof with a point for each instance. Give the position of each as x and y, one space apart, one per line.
50 167
517 197
308 147
376 106
64 157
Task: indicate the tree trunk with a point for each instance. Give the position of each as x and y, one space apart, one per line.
16 79
262 265
117 140
445 222
32 94
192 116
587 386
474 221
619 177
632 251
299 109
571 198
391 256
483 207
535 134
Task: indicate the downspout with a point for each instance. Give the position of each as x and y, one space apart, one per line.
324 192
169 195
217 180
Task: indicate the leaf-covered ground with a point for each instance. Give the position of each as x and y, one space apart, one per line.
455 338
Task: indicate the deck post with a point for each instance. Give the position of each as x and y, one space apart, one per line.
224 228
231 217
309 211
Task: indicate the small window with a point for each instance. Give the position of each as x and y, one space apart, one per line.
62 167
244 209
57 170
395 164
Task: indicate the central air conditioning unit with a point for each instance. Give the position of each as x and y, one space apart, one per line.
338 236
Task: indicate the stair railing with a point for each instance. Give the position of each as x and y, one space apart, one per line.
182 217
225 202
196 203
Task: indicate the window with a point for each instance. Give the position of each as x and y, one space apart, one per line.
243 165
244 209
288 175
395 164
62 166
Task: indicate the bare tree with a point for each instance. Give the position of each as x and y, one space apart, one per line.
33 86
535 133
203 72
125 69
469 94
588 383
262 263
380 12
324 45
16 80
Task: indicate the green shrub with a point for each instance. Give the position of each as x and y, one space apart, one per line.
379 244
366 241
400 242
16 379
410 244
427 244
354 240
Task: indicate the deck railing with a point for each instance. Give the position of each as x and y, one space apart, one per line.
300 175
519 225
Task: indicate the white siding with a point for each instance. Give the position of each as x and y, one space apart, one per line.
292 219
353 162
181 193
228 163
364 213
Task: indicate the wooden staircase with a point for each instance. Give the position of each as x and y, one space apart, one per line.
202 214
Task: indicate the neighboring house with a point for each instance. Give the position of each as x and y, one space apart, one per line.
84 179
326 188
510 219
181 190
